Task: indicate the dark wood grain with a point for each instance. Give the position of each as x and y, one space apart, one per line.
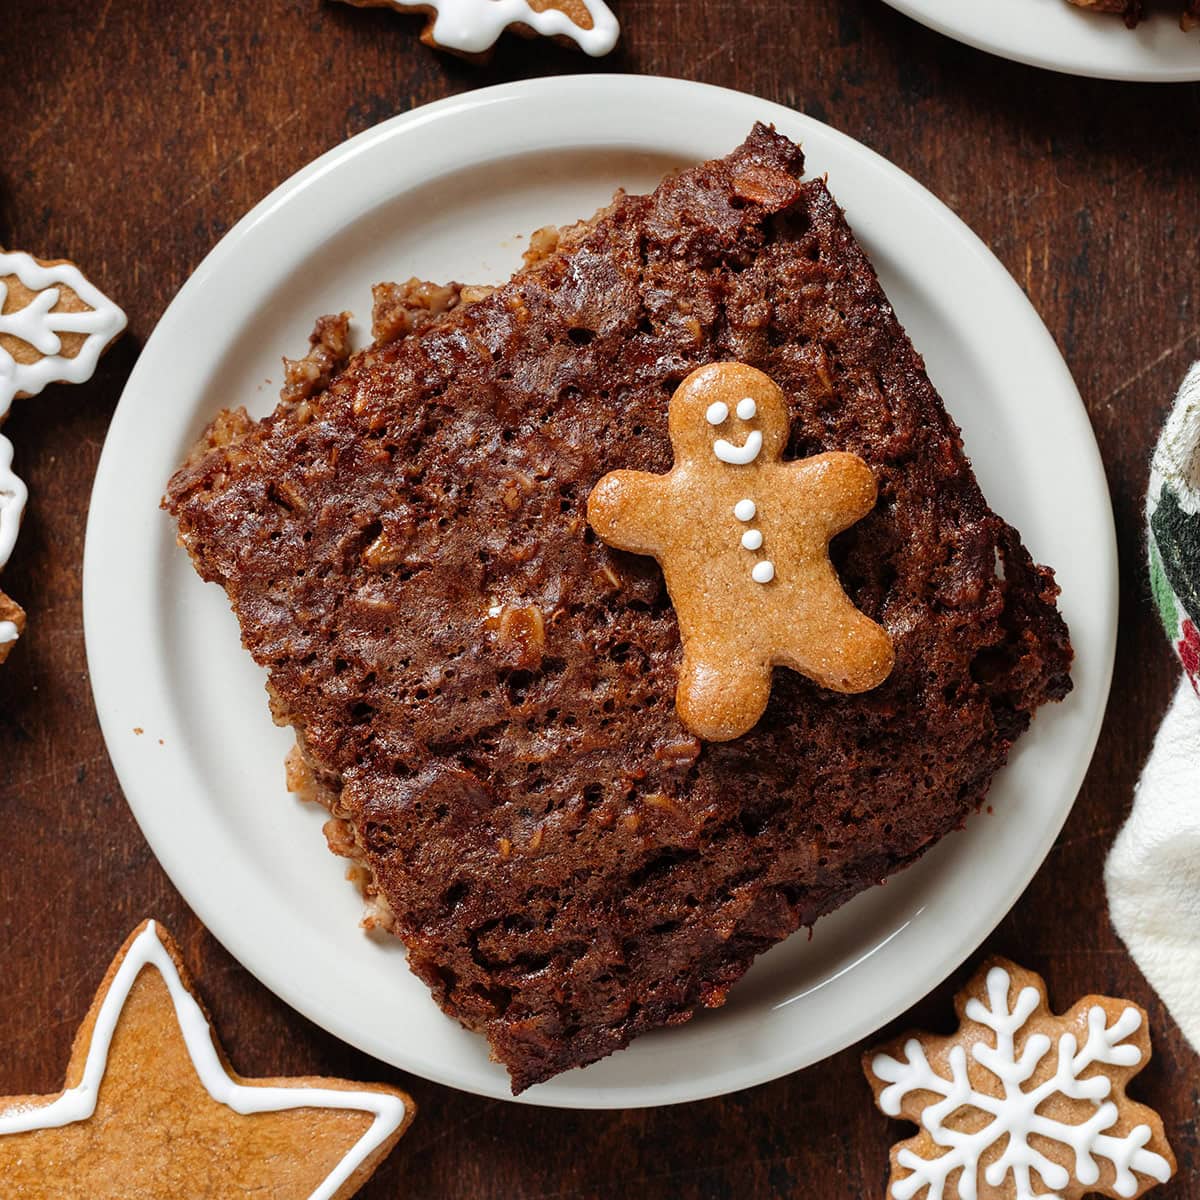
136 133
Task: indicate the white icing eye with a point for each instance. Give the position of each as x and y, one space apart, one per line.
744 510
752 539
717 412
763 572
747 409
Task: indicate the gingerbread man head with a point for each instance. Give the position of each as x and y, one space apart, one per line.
743 540
728 413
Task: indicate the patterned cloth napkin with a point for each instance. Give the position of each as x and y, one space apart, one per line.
1153 872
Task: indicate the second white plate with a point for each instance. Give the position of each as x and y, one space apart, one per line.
1062 37
443 193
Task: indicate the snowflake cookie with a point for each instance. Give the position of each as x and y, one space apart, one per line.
1021 1104
150 1107
471 27
54 325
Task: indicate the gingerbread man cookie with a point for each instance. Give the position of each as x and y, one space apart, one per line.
1021 1104
151 1108
743 541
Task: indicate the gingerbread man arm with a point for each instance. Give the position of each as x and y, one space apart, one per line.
632 510
838 489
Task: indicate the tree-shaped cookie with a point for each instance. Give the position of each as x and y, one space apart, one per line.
743 541
54 325
471 27
151 1109
1021 1104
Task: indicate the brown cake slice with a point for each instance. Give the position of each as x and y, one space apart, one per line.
1134 11
483 692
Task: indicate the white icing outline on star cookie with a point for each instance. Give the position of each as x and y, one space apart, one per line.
79 1103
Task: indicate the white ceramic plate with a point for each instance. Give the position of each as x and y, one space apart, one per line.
443 193
1061 37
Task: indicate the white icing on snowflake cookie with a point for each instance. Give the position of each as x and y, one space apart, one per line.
1021 1104
472 26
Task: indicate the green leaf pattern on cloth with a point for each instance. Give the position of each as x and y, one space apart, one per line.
1173 515
1164 598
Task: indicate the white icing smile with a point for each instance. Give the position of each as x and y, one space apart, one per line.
739 456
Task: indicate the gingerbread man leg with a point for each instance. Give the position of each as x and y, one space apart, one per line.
721 693
840 649
835 644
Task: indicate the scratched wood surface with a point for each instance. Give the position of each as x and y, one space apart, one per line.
136 133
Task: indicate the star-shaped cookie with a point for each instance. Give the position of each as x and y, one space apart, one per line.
151 1109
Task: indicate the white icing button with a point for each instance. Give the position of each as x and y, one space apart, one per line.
717 412
744 510
8 632
763 572
747 409
752 539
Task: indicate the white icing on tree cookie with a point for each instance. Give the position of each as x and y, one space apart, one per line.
472 26
1013 1116
12 502
39 327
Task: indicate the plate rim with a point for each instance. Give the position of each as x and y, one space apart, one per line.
963 24
106 666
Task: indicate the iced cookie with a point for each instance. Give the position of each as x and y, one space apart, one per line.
54 325
1020 1103
743 541
471 27
150 1107
12 624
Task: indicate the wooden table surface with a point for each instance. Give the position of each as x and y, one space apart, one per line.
138 132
